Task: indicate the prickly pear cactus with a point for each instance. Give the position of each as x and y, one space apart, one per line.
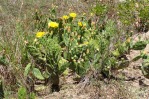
145 68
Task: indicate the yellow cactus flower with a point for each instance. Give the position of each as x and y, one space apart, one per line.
128 40
40 34
65 17
53 24
91 14
73 15
86 43
80 24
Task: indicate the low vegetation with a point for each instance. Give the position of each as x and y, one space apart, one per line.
39 44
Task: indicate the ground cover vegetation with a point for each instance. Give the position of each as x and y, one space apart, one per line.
39 43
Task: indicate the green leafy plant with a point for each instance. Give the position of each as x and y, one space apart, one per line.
74 42
140 45
145 64
46 53
145 57
145 67
22 94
